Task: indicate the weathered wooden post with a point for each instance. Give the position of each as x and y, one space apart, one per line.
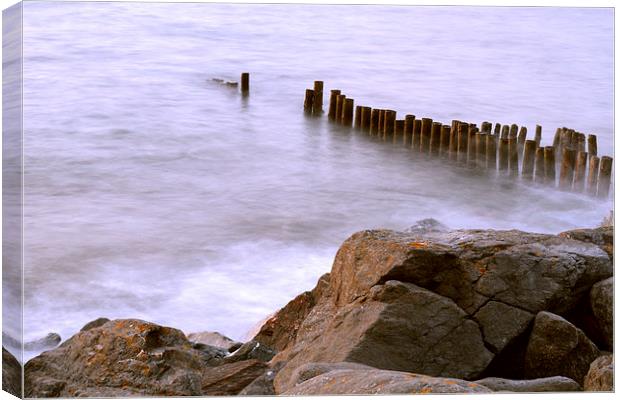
444 141
381 122
347 113
417 135
538 135
408 130
358 117
462 142
333 99
317 108
513 151
388 124
374 121
308 101
471 145
539 166
593 175
514 128
425 139
339 107
491 152
435 142
245 82
454 140
557 138
550 165
581 143
505 132
503 154
496 132
592 147
529 155
580 171
567 169
399 126
366 117
604 178
521 139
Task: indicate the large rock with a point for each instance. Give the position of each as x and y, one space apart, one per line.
11 374
600 377
550 384
359 381
557 347
602 302
251 350
602 237
310 370
501 323
96 323
132 358
215 339
397 326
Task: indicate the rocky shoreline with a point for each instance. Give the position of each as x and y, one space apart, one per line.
428 310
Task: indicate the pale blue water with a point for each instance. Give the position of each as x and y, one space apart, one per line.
152 192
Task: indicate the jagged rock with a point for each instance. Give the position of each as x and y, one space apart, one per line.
251 350
230 379
602 237
397 326
501 323
263 385
95 324
211 355
281 329
557 347
380 382
310 370
215 339
602 302
550 384
600 377
11 374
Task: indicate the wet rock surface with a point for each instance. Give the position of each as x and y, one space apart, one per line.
602 303
11 374
600 377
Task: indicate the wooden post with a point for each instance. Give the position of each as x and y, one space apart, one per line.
471 146
521 139
593 175
417 135
308 101
529 154
245 82
339 107
557 138
425 139
567 169
444 142
366 117
374 122
514 128
333 99
491 152
358 117
538 135
388 124
462 142
496 132
592 147
550 165
503 154
580 171
435 138
454 140
399 126
505 132
581 143
604 178
513 151
539 166
317 108
408 130
381 122
347 112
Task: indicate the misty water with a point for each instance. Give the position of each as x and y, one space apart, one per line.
153 192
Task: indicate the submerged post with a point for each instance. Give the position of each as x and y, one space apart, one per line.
333 99
416 138
388 124
366 117
539 165
462 142
408 130
435 142
308 101
592 147
374 122
317 108
491 152
538 135
444 142
593 175
358 117
339 107
425 137
580 171
399 127
521 139
245 82
513 151
529 153
550 165
347 112
567 169
604 178
381 122
503 154
454 140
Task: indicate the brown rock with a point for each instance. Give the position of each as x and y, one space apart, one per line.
557 347
602 237
310 370
550 384
230 379
501 323
215 339
602 303
600 377
95 324
11 374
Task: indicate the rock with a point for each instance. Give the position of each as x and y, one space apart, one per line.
230 379
310 370
263 385
602 302
281 329
11 374
211 355
550 384
397 326
600 377
427 225
95 324
361 382
122 358
602 237
251 350
49 341
215 339
557 347
501 323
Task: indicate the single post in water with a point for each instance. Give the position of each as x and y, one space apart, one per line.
308 100
399 126
491 152
358 117
366 117
604 178
567 169
592 147
550 165
417 135
317 108
462 142
245 82
444 141
425 138
538 135
435 142
539 166
580 171
408 130
339 107
388 127
593 175
347 113
333 99
374 122
529 154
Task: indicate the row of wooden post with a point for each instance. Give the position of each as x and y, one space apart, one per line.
503 147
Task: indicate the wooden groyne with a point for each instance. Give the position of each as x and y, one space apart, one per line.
502 150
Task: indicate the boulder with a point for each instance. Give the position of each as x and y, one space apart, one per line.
11 374
602 302
557 347
49 341
211 355
600 377
95 324
501 323
361 382
397 326
251 350
550 384
263 385
310 370
215 339
602 237
230 379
